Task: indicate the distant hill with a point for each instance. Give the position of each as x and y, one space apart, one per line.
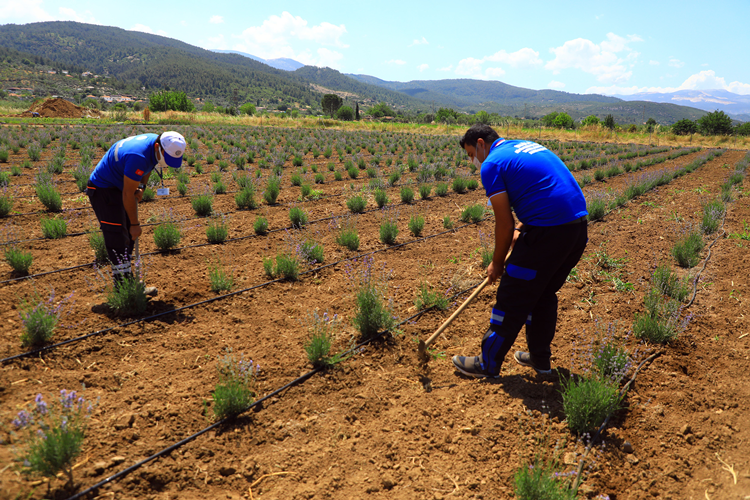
734 105
139 63
282 63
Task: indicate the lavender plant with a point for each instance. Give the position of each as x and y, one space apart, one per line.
202 204
217 230
416 225
447 222
473 213
668 283
96 242
6 202
427 297
40 317
356 204
323 331
389 227
54 227
234 392
486 248
662 321
260 226
273 188
167 235
374 312
52 435
18 260
347 235
687 248
713 211
222 280
127 297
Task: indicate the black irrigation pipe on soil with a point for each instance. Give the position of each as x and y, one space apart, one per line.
219 297
599 431
257 404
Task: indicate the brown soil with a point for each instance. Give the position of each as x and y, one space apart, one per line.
369 429
60 108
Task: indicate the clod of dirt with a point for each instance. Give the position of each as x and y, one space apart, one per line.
59 108
627 447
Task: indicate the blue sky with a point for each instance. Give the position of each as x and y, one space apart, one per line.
582 47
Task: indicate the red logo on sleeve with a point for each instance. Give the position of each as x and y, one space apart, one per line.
139 172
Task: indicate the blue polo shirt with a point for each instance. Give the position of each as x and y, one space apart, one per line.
541 189
132 157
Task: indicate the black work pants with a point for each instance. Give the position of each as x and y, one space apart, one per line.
537 268
115 225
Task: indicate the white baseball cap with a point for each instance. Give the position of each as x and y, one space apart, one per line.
173 146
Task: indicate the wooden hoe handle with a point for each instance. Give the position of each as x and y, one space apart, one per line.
457 312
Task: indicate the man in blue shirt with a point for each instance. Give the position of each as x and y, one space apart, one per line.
547 242
116 186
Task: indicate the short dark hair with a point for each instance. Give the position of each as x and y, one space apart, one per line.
478 131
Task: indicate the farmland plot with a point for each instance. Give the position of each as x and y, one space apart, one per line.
370 427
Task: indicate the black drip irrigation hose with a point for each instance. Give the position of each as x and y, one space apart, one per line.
256 404
579 473
213 299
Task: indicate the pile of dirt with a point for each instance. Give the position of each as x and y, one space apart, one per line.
59 108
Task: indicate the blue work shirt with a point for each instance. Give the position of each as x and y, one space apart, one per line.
132 157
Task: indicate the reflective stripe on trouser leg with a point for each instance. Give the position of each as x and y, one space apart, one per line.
494 349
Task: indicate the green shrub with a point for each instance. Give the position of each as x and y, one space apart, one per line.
305 190
394 178
202 204
167 235
217 230
322 332
148 195
373 313
473 213
40 317
348 237
273 188
661 322
49 197
52 434
260 226
407 195
686 249
319 179
713 211
668 283
356 204
54 227
381 198
234 392
424 191
472 184
297 216
221 279
18 260
312 251
541 480
337 176
219 188
287 266
447 222
127 296
388 230
596 206
416 225
6 203
587 401
245 198
296 179
441 189
427 297
353 172
96 242
459 185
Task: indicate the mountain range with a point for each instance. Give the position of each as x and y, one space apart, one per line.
140 63
735 105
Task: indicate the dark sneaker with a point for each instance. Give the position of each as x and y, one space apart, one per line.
471 366
524 359
151 291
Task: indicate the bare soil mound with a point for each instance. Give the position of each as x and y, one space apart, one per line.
60 108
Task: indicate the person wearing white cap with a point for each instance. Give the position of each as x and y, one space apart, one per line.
116 186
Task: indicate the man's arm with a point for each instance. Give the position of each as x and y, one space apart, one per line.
139 191
129 187
503 234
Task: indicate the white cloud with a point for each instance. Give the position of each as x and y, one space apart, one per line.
675 63
216 20
396 61
494 72
216 42
470 67
30 11
554 84
423 41
447 68
654 63
423 67
600 60
328 58
704 80
278 35
147 29
525 57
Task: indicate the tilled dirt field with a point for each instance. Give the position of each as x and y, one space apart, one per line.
369 428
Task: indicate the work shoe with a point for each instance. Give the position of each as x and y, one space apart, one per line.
151 291
471 366
524 359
